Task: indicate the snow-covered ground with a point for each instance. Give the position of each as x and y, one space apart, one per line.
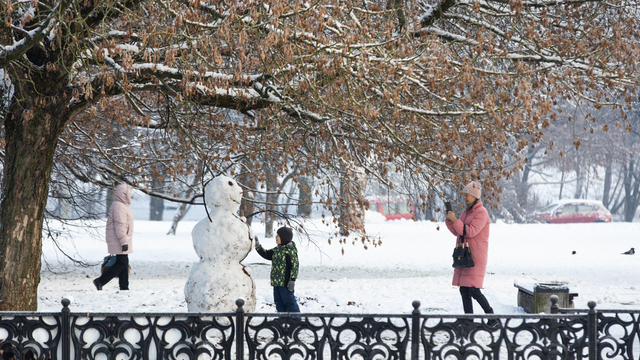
413 263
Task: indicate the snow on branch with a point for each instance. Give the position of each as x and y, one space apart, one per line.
31 38
449 36
439 113
115 34
275 97
537 55
209 9
546 4
164 71
432 14
145 70
213 25
240 99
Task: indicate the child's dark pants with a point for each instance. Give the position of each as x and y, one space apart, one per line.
285 299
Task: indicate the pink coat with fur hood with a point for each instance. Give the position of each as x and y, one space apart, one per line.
120 222
477 223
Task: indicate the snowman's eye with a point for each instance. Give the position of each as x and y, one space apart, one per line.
230 183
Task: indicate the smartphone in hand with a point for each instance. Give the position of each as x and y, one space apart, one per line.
447 206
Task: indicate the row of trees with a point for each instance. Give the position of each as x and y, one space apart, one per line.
137 91
587 153
578 157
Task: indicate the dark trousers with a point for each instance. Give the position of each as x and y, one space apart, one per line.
119 269
470 292
285 300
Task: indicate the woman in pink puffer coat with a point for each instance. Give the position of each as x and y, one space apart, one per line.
119 233
475 219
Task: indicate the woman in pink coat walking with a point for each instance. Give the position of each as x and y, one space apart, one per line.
475 221
119 233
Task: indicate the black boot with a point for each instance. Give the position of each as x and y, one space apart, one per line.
484 303
97 283
493 324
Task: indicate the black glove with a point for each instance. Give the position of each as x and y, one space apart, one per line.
125 247
257 243
291 285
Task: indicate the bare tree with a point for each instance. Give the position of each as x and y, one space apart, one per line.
597 145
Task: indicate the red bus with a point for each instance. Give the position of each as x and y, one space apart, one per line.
393 209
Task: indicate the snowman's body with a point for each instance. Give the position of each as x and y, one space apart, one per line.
219 279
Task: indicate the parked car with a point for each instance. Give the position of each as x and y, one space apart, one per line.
393 209
573 211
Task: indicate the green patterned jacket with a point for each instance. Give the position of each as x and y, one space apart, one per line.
284 265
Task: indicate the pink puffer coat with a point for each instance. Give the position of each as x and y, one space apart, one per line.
120 222
477 223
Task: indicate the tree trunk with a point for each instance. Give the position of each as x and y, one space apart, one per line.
289 199
631 190
521 187
156 204
635 201
246 205
63 209
607 186
429 211
156 209
271 179
561 184
30 145
306 192
108 201
182 210
522 184
579 182
352 190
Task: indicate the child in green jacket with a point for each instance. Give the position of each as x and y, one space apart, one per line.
284 269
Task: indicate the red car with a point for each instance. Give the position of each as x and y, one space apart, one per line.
573 211
393 209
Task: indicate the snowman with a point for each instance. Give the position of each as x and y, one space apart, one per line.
219 279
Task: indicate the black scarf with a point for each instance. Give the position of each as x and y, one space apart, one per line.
470 206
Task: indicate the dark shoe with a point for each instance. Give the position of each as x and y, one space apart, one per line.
97 284
464 322
493 324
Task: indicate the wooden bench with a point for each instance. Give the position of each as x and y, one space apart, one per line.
533 296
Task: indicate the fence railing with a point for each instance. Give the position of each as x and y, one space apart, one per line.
565 334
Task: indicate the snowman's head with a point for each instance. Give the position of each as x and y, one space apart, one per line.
223 193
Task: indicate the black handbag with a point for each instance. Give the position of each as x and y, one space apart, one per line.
108 262
462 257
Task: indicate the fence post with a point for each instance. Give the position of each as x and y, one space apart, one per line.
554 303
65 333
592 328
415 330
240 330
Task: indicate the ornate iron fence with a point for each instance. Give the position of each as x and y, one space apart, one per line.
565 334
617 332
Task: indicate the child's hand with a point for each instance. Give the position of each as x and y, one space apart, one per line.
291 285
